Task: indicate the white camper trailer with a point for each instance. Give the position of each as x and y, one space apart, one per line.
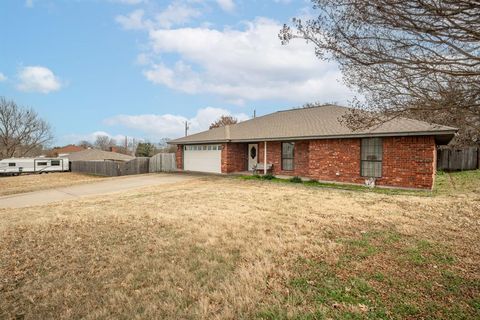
16 166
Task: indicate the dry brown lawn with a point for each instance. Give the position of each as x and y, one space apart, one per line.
225 248
34 182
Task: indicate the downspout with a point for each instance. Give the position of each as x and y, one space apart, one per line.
265 159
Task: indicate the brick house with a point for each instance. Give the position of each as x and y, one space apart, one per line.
66 150
314 143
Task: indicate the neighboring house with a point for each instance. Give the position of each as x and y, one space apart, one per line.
98 155
315 143
65 151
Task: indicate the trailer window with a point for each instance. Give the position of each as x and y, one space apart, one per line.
41 163
11 164
55 162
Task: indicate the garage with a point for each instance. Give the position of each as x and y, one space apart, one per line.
203 158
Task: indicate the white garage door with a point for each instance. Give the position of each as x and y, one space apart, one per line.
203 158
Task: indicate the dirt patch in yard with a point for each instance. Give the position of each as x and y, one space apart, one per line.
223 248
34 182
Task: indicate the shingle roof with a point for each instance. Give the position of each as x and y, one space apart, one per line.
318 122
94 154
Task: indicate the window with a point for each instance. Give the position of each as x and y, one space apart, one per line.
287 155
11 164
371 157
41 163
55 162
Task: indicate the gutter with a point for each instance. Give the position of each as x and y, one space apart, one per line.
324 137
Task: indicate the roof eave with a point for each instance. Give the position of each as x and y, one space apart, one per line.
176 142
448 134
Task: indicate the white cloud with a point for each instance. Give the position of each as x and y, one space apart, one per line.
2 77
226 5
38 79
239 65
75 138
176 13
155 126
29 3
133 21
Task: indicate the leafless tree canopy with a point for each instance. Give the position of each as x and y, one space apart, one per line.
104 143
223 121
410 58
21 130
85 144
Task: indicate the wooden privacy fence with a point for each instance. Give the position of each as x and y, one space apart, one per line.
135 166
101 168
162 162
458 159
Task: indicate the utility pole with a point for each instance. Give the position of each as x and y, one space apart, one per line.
186 128
254 113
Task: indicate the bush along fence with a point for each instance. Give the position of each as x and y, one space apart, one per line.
159 163
458 159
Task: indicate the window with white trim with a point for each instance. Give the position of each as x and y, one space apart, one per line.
371 157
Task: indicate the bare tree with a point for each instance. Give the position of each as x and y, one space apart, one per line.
22 131
85 144
223 121
104 143
409 58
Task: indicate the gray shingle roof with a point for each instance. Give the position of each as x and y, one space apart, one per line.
318 122
94 154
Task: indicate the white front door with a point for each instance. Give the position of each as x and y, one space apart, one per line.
252 156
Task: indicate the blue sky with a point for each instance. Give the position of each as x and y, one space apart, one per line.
142 67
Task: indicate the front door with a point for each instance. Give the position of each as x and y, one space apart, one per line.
252 156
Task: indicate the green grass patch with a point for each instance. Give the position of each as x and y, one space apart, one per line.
380 274
457 182
424 252
339 186
446 183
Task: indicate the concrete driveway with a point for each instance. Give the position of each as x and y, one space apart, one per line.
90 189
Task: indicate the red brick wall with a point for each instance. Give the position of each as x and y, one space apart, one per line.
234 157
274 156
179 156
335 160
408 162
